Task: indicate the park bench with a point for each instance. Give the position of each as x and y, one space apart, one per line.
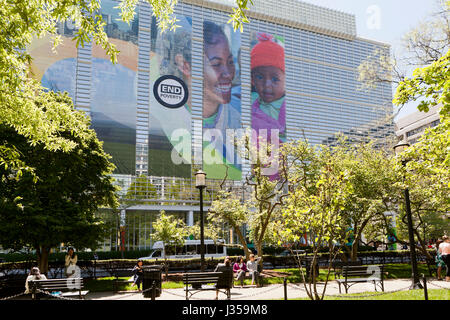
360 274
69 287
338 265
259 280
201 281
120 273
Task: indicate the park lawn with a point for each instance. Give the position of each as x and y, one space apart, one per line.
394 271
106 284
433 294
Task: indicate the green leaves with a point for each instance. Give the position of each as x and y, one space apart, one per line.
169 229
50 195
431 84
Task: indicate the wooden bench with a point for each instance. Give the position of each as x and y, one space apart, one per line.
259 279
120 273
337 266
72 287
360 274
201 281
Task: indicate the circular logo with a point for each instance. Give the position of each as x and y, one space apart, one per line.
171 92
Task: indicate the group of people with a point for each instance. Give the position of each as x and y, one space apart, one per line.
443 257
70 261
240 268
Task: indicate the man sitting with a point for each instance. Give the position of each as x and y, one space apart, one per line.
252 267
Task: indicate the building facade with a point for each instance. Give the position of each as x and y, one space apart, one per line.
167 107
411 127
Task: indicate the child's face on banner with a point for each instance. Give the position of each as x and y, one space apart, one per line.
219 72
269 83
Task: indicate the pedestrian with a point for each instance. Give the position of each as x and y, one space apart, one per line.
439 262
70 262
35 274
240 268
138 276
224 267
444 250
252 267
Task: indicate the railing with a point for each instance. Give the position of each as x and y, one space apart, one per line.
152 190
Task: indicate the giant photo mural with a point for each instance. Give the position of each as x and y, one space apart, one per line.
114 89
268 110
56 70
170 124
221 100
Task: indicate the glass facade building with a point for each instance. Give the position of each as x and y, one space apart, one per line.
322 95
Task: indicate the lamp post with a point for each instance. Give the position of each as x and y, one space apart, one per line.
399 148
200 183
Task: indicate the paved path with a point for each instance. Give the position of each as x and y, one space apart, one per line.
269 292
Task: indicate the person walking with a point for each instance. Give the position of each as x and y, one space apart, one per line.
35 274
240 268
70 262
439 262
138 271
444 250
252 267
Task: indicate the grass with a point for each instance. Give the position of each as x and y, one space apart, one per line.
433 294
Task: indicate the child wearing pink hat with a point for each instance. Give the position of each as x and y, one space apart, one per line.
268 79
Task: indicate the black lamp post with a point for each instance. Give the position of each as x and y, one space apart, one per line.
399 148
200 183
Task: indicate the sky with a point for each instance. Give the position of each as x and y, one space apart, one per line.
384 21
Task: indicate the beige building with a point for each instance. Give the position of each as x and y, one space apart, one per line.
412 126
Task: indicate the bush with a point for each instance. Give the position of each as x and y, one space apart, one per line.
59 257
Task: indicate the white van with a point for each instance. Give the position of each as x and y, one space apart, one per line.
190 250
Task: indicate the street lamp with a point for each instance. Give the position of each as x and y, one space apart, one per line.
200 183
398 149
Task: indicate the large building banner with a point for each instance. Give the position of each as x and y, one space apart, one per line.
268 110
170 103
56 70
114 89
221 100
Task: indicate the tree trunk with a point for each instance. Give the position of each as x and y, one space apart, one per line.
42 259
259 250
243 242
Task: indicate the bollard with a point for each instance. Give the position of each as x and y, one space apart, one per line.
153 291
285 288
425 290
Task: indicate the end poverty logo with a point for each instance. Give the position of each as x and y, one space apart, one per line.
171 92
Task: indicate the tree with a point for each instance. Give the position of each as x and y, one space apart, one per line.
267 189
421 46
372 178
141 190
23 20
57 202
426 171
314 207
169 230
229 208
426 175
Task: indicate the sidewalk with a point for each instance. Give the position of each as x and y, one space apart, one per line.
271 292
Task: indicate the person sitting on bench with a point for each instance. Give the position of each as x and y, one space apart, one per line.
223 267
240 268
252 267
35 274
